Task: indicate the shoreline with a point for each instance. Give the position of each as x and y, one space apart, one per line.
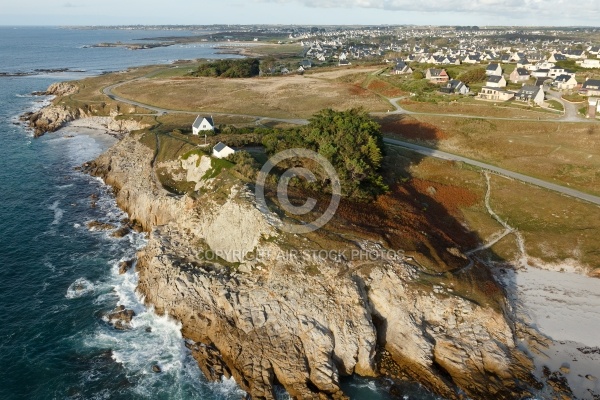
100 125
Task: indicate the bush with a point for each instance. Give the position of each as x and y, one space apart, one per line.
245 68
476 75
350 140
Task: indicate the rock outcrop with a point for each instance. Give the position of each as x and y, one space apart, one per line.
297 320
51 118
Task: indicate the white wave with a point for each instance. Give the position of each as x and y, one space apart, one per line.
58 212
79 288
64 186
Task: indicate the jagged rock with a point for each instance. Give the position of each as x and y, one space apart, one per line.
100 226
121 232
125 266
303 330
156 369
120 318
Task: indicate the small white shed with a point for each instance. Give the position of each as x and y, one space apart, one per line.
221 150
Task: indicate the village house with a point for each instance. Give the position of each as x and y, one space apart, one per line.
497 81
455 86
565 82
519 75
221 150
591 87
493 93
436 75
589 63
531 94
575 54
402 68
493 69
203 124
556 57
541 73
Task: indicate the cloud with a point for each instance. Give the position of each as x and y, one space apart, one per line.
583 9
69 5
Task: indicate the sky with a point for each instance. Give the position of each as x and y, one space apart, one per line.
302 12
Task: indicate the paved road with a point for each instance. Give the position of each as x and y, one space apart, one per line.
571 110
426 151
570 116
160 111
413 147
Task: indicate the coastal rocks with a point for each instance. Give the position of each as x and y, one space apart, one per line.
59 89
300 323
120 318
156 369
121 232
100 226
50 119
125 266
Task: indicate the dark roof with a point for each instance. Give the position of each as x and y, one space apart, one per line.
492 67
199 120
563 78
219 146
542 70
540 81
559 57
455 83
591 84
522 72
528 91
494 78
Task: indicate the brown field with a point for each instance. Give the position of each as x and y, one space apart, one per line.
556 228
564 153
291 96
480 108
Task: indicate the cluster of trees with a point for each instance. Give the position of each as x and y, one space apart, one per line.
350 140
243 68
473 76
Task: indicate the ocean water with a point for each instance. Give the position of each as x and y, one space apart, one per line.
57 278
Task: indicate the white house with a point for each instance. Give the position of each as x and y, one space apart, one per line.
495 81
493 69
203 124
494 94
221 150
565 82
530 93
519 75
589 63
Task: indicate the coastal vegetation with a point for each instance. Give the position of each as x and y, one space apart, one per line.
350 140
243 68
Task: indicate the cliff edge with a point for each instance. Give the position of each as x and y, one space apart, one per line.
258 305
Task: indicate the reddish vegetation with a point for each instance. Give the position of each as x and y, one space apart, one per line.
409 218
356 90
411 129
452 198
384 89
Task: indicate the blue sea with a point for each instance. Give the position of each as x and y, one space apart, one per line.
54 343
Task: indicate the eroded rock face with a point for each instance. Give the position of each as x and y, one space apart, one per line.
299 322
51 118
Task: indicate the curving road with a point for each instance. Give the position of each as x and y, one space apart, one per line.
571 113
426 151
429 152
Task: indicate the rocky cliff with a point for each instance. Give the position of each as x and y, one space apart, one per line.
299 320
